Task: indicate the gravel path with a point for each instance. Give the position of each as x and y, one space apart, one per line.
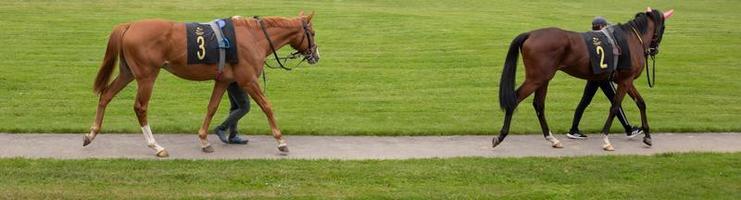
185 146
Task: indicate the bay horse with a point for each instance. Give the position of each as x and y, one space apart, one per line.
545 51
144 47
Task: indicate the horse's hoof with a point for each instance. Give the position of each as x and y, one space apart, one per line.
162 154
608 147
208 149
85 140
283 148
494 142
557 145
647 141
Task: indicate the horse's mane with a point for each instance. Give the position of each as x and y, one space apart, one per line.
640 22
282 22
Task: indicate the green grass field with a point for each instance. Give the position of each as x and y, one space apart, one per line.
387 68
665 176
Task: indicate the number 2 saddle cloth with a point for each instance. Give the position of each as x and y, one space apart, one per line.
608 49
203 45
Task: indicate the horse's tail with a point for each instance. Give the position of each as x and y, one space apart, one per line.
507 96
109 60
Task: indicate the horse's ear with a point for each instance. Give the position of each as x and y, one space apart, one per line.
301 14
668 14
308 19
648 9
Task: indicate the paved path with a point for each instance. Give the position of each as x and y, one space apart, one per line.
185 146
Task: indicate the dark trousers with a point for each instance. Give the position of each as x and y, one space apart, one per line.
589 90
240 106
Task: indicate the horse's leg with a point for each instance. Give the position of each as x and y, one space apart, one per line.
633 92
614 109
522 92
539 105
124 78
143 93
253 89
213 105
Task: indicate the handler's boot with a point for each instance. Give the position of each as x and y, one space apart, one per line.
576 134
635 131
234 139
221 132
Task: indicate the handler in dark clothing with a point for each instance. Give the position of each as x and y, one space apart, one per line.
240 106
590 89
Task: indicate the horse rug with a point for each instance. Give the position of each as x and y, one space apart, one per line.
203 44
605 52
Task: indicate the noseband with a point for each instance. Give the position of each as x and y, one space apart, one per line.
308 36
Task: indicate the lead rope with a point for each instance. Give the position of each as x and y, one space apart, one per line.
264 82
646 56
648 75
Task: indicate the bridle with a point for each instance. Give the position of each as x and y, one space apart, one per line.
653 47
308 54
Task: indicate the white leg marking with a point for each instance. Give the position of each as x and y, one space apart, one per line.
204 142
282 143
151 143
555 143
607 146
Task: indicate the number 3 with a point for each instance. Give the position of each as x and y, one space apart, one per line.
601 53
201 47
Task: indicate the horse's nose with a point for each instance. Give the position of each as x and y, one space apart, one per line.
313 59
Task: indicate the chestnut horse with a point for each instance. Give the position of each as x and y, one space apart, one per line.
544 51
146 46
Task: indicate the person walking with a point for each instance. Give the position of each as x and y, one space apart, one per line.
598 23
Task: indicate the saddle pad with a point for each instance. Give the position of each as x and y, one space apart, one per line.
203 47
601 54
624 60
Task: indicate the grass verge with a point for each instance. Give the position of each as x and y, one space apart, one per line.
663 176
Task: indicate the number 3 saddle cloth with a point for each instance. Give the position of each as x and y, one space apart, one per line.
608 49
203 43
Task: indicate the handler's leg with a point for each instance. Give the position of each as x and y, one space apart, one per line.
239 107
589 90
243 107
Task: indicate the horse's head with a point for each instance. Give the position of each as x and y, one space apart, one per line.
306 46
658 18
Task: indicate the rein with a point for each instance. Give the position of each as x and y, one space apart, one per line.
272 46
294 55
646 54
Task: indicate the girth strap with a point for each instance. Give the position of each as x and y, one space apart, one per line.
615 52
223 45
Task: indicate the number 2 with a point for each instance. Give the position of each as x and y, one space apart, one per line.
601 53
